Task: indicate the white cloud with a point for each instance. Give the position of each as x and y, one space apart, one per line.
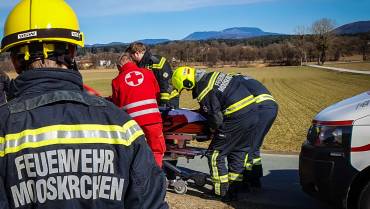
114 7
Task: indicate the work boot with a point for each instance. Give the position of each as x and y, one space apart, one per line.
255 178
245 187
232 192
224 192
256 183
245 184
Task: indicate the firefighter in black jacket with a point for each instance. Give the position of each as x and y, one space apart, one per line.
60 147
231 111
267 111
162 70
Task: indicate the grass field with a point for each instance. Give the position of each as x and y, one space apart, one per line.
300 91
364 66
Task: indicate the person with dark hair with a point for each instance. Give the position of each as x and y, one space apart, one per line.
142 106
162 70
59 146
4 87
169 97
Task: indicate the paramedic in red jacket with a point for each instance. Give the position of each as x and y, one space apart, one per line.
136 90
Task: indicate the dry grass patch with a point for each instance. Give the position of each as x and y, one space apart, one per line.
301 93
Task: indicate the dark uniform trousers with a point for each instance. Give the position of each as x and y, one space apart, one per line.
267 112
231 110
228 150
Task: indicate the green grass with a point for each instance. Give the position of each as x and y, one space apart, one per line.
100 80
301 93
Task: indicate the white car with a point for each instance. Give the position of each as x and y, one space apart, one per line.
335 159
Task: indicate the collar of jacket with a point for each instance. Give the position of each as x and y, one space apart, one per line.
200 76
42 80
146 60
128 66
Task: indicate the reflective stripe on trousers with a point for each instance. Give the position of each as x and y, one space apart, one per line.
217 180
247 165
235 176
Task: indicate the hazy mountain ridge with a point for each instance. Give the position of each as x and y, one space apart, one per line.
353 28
229 33
242 33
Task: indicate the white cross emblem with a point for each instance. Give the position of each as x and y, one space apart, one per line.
134 78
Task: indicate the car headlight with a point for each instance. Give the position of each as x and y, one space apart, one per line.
329 133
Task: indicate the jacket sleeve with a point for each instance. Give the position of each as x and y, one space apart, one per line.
211 106
3 197
165 83
156 86
147 188
116 99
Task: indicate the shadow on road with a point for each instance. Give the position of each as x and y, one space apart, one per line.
281 189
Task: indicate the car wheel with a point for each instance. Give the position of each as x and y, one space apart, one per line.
180 187
364 199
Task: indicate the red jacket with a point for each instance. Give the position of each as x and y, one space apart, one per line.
136 91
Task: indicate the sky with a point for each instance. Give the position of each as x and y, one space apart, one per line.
105 21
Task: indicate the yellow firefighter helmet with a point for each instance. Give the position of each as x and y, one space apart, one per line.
183 78
42 21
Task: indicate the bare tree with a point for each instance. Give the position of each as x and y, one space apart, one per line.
300 42
364 45
213 55
322 31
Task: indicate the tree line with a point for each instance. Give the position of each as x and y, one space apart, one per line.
317 43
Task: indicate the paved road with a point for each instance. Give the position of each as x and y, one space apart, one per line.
280 182
341 69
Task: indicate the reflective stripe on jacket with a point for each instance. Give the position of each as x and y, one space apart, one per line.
259 91
163 73
62 148
135 90
222 95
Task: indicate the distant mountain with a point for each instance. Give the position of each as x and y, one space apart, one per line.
353 28
154 41
107 45
230 33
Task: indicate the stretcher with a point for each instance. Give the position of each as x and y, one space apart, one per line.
180 127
